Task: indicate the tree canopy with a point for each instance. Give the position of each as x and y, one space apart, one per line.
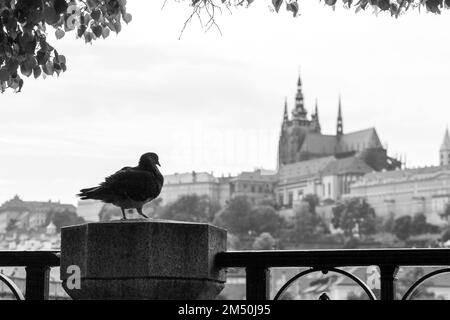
24 26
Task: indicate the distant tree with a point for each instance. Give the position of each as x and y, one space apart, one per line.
402 227
313 201
307 225
64 218
354 214
235 216
419 225
12 225
264 241
192 208
264 219
241 218
23 33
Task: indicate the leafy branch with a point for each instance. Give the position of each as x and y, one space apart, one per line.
394 7
24 24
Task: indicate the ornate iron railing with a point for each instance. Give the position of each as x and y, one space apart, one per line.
37 266
257 265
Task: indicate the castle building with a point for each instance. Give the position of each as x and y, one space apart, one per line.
322 164
409 191
29 214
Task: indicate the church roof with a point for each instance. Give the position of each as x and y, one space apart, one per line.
347 165
446 142
362 139
303 169
317 143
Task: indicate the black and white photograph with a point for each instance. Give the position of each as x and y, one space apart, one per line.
224 150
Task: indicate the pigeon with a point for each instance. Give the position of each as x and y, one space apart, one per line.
130 187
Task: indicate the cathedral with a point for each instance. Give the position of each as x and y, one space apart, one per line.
301 139
310 162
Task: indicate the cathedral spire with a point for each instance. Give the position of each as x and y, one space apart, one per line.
339 127
299 112
317 111
285 115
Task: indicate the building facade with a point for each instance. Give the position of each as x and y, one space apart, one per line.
409 191
29 214
406 192
310 162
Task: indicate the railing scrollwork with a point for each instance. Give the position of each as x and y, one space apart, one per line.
12 286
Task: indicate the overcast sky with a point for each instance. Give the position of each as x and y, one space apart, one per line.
212 102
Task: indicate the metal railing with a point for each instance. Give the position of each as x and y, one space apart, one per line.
37 266
257 266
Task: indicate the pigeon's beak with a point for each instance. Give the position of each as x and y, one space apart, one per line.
157 162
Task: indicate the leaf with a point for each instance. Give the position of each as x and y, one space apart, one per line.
59 33
50 15
81 30
330 2
37 72
105 32
97 30
292 7
48 68
25 69
277 4
61 59
60 6
95 14
4 75
127 18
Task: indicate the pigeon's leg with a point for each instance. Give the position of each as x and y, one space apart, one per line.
123 213
139 210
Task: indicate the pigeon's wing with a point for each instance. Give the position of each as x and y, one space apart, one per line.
131 183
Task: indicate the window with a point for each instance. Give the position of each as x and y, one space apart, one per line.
290 199
329 189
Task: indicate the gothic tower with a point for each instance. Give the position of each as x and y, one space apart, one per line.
444 151
340 125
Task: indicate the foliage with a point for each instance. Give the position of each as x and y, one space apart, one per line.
241 218
406 226
402 227
64 218
307 223
12 225
419 225
264 241
354 214
207 8
23 33
193 208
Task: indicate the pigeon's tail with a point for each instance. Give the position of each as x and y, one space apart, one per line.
91 193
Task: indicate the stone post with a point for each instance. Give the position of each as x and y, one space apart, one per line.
142 259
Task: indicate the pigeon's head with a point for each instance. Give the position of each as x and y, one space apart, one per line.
149 158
